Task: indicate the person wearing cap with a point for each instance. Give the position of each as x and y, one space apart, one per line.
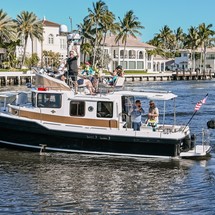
88 71
153 114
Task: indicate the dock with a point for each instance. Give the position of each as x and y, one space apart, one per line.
189 75
16 78
22 78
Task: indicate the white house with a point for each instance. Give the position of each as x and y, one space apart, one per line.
184 61
53 40
135 57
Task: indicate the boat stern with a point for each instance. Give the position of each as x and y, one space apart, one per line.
192 150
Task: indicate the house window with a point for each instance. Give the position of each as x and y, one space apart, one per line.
140 55
132 54
140 65
77 108
105 109
62 44
51 39
123 64
132 65
122 54
115 55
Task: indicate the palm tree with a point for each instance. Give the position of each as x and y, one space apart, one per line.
85 32
179 36
7 28
86 49
158 50
94 19
128 26
205 34
29 26
192 42
10 47
107 25
166 37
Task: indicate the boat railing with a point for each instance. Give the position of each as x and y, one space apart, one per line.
166 129
205 137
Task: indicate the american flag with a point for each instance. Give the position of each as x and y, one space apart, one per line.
200 103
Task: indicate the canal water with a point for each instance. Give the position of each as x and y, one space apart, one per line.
58 183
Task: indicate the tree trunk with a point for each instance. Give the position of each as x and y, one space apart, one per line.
94 50
124 55
201 57
103 51
41 55
23 57
205 50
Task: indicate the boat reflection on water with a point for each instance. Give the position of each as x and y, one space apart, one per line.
59 182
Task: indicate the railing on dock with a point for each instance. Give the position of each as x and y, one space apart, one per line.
21 78
16 78
193 75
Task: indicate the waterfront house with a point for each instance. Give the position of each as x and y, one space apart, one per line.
135 57
184 61
53 40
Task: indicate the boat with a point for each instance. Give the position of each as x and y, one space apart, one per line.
51 117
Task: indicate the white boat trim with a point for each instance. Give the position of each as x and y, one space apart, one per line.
85 152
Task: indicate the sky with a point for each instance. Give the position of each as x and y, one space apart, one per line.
153 14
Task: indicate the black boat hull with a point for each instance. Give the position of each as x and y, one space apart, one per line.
31 135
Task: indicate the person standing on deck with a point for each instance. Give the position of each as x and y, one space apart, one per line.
136 115
152 114
72 67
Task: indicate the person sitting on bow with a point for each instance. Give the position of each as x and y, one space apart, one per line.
90 74
118 72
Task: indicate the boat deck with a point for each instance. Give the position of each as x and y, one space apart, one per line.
197 151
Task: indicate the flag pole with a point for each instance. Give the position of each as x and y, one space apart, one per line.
190 119
197 107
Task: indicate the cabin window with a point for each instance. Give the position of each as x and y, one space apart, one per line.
105 109
77 108
33 99
49 100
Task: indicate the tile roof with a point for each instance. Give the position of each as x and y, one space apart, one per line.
50 24
131 42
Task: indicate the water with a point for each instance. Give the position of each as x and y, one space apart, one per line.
58 183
